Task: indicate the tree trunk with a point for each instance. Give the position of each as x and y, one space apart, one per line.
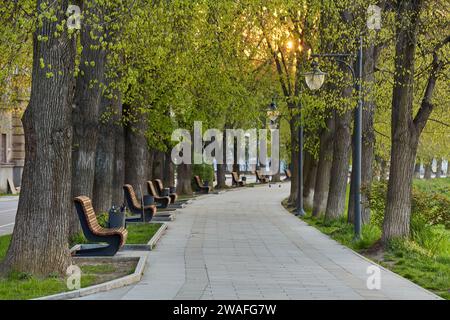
158 165
417 170
439 168
310 181
86 114
169 170
119 160
39 242
340 166
221 168
428 170
404 130
184 178
104 161
323 176
136 151
294 158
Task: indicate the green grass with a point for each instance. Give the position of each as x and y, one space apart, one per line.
22 286
141 233
9 195
138 233
4 243
412 262
98 268
434 186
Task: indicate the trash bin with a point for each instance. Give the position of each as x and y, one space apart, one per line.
116 218
148 200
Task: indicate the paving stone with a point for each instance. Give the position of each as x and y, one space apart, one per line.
244 245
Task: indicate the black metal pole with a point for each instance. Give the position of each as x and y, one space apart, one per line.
358 144
300 211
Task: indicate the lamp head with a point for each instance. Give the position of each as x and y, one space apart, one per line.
315 78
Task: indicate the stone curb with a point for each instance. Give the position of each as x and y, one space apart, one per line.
106 286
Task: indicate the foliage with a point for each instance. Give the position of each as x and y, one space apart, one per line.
429 205
205 171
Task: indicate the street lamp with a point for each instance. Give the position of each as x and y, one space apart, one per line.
314 80
272 114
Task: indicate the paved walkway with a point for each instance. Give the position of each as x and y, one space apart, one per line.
243 245
8 208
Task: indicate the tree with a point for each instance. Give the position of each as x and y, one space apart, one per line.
86 106
45 200
406 129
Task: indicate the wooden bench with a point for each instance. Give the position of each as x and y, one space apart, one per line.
115 238
145 214
261 178
160 187
288 174
200 185
235 179
164 201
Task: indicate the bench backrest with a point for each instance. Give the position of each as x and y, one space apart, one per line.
288 173
198 181
258 175
151 189
235 177
159 186
87 214
131 198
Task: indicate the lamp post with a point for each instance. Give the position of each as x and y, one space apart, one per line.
315 80
300 211
272 115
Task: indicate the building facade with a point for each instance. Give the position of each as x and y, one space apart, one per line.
12 148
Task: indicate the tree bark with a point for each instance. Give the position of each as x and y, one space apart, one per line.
310 181
340 166
221 168
169 170
136 151
86 113
119 159
184 177
439 168
39 242
428 170
324 168
158 165
405 130
104 161
294 158
417 170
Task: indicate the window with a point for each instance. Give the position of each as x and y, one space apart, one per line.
3 149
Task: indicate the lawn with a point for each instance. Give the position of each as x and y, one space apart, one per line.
141 233
138 233
424 259
434 186
18 286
